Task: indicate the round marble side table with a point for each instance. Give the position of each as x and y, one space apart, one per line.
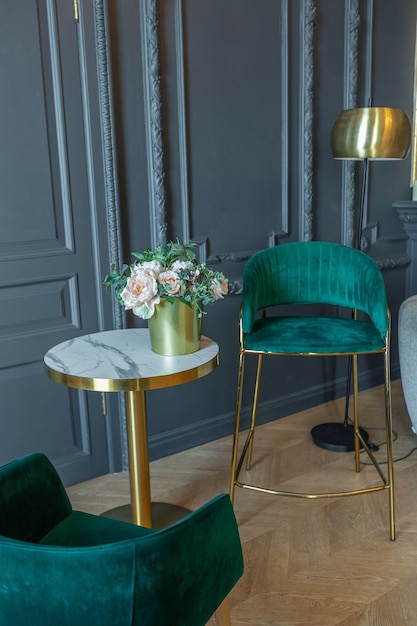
123 361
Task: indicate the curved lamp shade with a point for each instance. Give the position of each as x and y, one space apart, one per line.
371 133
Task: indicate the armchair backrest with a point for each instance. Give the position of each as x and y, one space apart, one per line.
314 272
32 498
185 571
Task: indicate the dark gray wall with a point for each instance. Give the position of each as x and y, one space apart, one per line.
248 93
54 244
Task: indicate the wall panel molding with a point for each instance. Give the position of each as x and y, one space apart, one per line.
182 123
355 29
285 123
368 67
109 154
307 18
154 123
52 303
60 124
282 230
351 39
112 204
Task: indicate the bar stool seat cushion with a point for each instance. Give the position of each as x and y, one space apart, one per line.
313 335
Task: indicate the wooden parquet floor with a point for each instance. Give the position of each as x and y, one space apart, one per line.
322 562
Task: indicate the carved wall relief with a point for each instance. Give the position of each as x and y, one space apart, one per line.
153 112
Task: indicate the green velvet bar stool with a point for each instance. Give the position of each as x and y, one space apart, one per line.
313 273
60 567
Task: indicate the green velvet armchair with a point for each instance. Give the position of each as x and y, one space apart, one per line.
60 567
276 282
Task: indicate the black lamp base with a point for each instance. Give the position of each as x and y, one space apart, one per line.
337 437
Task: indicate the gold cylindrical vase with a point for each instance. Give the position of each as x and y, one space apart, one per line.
175 328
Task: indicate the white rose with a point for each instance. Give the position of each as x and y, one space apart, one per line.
181 266
154 266
141 289
145 311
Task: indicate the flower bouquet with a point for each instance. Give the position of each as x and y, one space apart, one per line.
170 272
167 287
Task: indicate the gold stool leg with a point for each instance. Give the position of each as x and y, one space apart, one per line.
233 470
356 412
254 410
222 614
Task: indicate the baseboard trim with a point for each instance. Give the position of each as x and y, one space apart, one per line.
178 439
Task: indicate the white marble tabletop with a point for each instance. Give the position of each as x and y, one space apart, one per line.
122 360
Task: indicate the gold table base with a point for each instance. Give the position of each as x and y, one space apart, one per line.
163 514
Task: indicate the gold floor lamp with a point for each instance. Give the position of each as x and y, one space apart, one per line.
365 134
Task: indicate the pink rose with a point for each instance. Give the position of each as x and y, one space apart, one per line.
169 281
141 292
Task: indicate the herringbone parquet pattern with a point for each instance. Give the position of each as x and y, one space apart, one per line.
320 563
